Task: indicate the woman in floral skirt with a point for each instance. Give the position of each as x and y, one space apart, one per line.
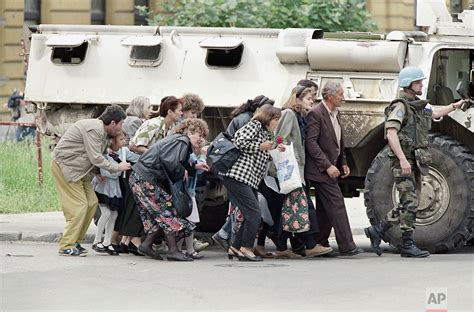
292 128
151 187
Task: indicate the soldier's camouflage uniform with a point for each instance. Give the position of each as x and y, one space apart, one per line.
412 119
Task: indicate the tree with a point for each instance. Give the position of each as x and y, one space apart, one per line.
335 15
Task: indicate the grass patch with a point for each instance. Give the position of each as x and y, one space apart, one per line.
19 192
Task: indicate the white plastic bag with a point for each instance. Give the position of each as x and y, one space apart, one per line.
288 172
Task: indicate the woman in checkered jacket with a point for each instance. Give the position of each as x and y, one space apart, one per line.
243 178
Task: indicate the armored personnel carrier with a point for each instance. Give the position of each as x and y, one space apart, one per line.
75 71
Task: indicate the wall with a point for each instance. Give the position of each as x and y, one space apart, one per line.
400 14
12 20
11 64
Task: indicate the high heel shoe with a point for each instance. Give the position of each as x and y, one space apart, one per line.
232 252
247 257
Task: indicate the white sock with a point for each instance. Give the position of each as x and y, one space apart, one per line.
109 227
104 217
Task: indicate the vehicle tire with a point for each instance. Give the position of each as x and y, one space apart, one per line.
446 210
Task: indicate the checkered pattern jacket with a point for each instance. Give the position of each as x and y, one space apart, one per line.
251 166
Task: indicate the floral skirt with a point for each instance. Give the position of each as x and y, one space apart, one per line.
156 208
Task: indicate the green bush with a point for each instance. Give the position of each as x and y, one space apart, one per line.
19 190
331 16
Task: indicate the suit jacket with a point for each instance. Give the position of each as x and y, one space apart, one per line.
322 149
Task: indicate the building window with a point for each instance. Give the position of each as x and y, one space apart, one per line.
98 12
32 11
223 51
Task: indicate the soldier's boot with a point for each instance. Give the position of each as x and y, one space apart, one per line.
375 233
409 249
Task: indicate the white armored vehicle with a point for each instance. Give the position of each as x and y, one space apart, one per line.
74 71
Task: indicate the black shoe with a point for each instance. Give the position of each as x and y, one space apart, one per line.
332 254
111 250
222 242
375 234
146 251
352 252
99 247
408 248
121 248
133 249
300 252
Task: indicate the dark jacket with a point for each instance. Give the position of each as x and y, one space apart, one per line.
238 122
322 149
172 154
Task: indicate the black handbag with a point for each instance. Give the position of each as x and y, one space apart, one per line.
222 153
180 197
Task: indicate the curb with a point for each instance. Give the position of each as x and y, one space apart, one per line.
37 237
12 236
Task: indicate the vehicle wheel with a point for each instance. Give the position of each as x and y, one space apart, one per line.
446 209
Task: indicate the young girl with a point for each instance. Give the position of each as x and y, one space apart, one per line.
107 187
192 107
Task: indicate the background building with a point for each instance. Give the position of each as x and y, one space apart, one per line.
16 15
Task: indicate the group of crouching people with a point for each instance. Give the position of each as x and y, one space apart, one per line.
144 156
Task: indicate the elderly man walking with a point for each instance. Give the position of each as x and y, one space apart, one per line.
79 151
325 163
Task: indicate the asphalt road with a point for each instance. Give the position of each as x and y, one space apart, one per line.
35 278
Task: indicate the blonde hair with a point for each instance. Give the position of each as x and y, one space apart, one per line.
193 125
137 107
298 92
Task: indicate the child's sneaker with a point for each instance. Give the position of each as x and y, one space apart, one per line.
199 245
72 252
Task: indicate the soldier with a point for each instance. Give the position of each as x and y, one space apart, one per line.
408 120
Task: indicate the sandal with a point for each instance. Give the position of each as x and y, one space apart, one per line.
146 251
178 257
194 255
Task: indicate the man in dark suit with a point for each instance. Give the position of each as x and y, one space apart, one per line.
325 163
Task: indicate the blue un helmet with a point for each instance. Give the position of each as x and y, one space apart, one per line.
410 74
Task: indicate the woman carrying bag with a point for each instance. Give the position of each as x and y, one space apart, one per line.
292 128
243 178
163 163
